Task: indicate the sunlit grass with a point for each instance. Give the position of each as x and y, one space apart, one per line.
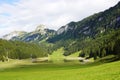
63 71
57 56
59 70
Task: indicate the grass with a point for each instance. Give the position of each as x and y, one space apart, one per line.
63 71
57 56
59 70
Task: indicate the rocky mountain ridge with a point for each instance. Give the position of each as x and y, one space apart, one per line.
37 35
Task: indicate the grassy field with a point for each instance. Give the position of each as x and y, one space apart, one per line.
64 71
58 69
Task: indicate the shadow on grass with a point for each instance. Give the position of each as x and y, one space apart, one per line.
45 66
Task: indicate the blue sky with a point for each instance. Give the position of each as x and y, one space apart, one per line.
26 15
8 1
5 14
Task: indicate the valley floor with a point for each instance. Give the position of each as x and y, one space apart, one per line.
63 71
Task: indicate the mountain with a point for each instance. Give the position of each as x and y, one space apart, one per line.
14 34
95 36
39 34
91 26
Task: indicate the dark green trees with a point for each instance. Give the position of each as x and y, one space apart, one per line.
20 50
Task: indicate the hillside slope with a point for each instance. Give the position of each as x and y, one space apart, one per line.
96 36
91 26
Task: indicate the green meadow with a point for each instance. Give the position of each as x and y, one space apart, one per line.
57 69
19 70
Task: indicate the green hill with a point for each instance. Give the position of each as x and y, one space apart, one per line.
20 50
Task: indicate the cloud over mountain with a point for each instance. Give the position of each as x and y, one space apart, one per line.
27 14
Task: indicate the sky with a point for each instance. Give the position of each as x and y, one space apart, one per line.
26 15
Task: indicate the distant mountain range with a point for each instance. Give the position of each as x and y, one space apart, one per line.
87 28
39 34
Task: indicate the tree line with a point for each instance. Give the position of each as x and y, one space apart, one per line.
20 50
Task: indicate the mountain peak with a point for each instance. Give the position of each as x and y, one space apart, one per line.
13 34
40 29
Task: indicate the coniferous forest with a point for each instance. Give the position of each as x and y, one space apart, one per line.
20 50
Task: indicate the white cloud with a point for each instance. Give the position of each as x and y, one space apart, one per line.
27 14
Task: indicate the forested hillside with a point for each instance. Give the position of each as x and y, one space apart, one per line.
20 50
98 47
95 36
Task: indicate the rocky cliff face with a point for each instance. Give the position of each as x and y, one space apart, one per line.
66 28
